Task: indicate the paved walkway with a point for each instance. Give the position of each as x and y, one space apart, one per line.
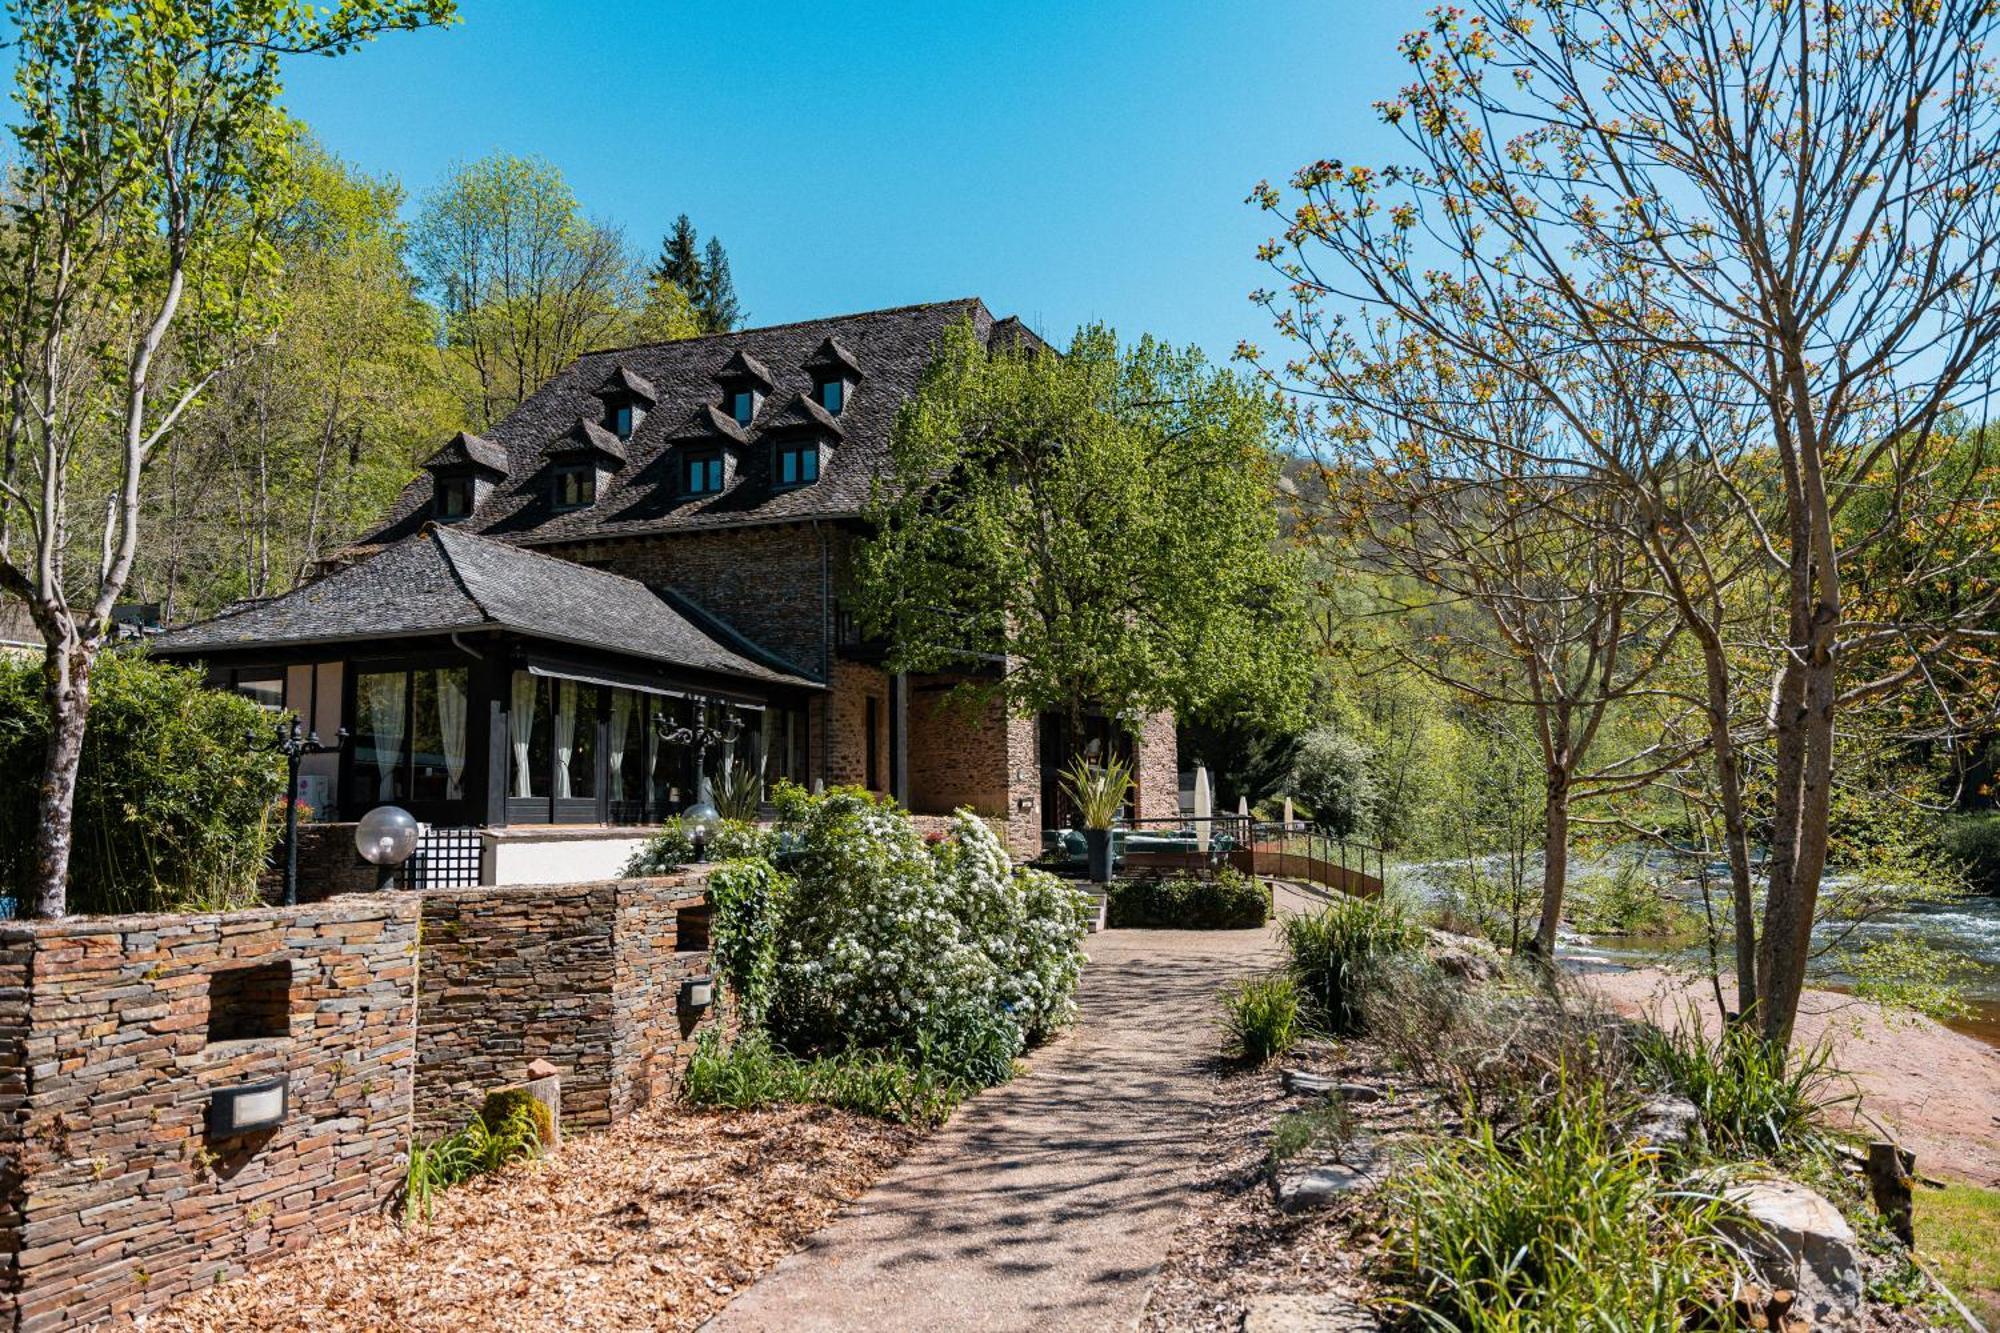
1049 1202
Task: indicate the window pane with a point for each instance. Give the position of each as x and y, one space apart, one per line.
829 395
437 734
788 467
267 693
626 727
380 730
809 465
672 771
576 740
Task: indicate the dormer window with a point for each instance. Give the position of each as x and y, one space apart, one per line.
626 397
743 406
831 394
452 497
622 420
796 464
701 474
575 486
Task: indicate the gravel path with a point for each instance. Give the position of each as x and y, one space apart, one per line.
1049 1202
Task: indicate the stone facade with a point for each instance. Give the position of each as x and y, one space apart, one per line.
845 733
585 976
114 1032
774 582
328 865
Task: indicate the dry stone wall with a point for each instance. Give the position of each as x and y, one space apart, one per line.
114 1033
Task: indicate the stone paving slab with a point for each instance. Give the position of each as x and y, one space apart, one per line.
1050 1202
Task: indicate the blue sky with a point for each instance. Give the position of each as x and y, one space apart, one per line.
1067 162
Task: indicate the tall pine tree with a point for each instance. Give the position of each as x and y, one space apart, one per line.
680 258
717 302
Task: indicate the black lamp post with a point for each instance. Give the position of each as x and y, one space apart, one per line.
295 743
702 815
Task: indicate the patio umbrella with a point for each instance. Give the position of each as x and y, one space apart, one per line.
1288 813
1203 807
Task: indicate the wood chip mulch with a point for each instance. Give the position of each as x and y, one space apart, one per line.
651 1225
1234 1243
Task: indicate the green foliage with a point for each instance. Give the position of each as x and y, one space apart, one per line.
174 810
1627 901
1246 756
1226 900
943 952
1906 971
1260 1017
739 792
1560 1229
1972 843
1332 951
1098 790
1103 520
748 900
509 1128
1333 780
750 1072
698 279
1754 1098
1326 1127
525 280
666 851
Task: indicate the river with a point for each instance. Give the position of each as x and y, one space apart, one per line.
1968 929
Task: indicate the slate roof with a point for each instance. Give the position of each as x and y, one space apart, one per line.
464 448
891 348
587 437
624 383
443 580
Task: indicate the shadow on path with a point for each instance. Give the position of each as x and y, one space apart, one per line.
1047 1203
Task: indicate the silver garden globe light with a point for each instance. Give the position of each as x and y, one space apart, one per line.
386 837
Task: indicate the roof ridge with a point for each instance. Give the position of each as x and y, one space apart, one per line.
716 627
790 324
436 532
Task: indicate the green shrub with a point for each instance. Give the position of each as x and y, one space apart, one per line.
662 854
748 900
750 1072
1333 778
1754 1098
1230 900
1260 1017
510 1127
1559 1229
175 811
1331 951
1628 901
1324 1128
942 951
1972 842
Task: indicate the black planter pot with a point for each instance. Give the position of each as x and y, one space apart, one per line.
1097 853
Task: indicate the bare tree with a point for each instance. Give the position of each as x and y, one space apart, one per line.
1801 194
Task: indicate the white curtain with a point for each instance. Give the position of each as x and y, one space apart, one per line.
652 725
520 728
621 717
451 721
565 734
386 716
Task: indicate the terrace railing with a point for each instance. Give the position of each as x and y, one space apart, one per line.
1271 848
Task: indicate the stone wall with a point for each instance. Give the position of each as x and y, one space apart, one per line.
846 727
958 751
328 865
114 1197
585 976
1157 756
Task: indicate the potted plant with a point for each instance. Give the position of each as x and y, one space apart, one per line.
1099 792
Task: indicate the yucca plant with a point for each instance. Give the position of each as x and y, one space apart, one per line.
1097 790
739 792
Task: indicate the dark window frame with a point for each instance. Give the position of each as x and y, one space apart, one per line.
702 459
800 450
586 489
822 383
741 405
621 418
444 490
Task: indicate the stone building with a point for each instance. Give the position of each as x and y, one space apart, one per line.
659 534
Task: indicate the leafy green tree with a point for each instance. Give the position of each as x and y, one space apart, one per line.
135 267
1334 778
668 313
526 282
311 435
1102 523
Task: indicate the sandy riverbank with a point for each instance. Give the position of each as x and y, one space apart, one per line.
1938 1090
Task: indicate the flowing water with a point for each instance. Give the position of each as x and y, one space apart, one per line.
1968 929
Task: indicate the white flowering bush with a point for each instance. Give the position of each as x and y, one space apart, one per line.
943 951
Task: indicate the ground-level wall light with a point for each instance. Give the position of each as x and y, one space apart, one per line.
249 1107
386 837
697 992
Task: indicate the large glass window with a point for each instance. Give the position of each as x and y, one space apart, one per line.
409 735
576 741
530 736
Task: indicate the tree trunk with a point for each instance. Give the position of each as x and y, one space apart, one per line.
1792 897
66 688
1555 865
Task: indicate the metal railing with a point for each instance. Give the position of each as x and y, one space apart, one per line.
1262 847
